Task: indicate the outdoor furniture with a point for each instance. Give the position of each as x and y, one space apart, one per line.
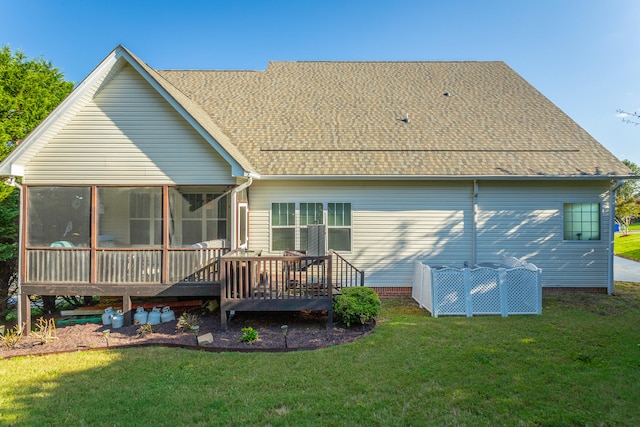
304 274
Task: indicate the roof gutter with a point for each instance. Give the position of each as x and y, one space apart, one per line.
446 177
612 218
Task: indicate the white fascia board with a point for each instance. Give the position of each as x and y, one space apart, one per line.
14 164
236 169
17 170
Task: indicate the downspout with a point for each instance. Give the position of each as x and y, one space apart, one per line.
234 219
23 318
474 221
612 220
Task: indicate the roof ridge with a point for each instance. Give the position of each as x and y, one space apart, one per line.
382 61
390 62
209 70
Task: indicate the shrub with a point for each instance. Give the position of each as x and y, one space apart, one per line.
249 335
354 302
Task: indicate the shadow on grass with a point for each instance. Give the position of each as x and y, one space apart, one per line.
575 364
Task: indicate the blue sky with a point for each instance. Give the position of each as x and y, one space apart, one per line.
584 55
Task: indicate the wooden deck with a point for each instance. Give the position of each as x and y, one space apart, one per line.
286 283
243 280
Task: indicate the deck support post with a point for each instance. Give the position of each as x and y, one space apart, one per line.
127 309
223 319
24 312
223 293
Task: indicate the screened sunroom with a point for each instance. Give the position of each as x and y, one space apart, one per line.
124 235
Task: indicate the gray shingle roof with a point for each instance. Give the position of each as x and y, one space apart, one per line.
346 118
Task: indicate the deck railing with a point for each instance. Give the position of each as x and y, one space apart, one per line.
117 266
68 265
292 276
276 277
131 266
345 275
254 277
200 265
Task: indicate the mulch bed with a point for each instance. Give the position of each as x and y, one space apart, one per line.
307 330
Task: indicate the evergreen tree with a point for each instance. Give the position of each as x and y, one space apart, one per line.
29 90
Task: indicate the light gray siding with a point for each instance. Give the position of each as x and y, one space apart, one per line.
525 220
128 134
394 223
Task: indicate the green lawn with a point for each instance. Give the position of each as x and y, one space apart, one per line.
576 364
627 246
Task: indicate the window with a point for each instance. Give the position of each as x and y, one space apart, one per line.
289 223
339 226
582 221
283 226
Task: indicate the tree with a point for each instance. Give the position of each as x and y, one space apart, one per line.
29 90
635 117
628 198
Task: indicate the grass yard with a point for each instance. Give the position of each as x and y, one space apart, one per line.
577 364
627 246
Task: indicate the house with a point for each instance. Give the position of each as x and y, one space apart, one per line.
129 181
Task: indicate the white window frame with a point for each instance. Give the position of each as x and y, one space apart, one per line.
341 226
298 228
599 221
287 226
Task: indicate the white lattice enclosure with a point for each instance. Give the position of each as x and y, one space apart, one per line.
511 287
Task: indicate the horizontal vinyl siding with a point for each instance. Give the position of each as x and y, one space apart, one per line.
525 220
394 224
128 134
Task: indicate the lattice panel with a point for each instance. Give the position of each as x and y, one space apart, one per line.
422 286
485 291
449 294
522 291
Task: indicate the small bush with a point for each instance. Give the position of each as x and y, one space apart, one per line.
12 337
45 330
187 321
249 335
354 302
145 329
